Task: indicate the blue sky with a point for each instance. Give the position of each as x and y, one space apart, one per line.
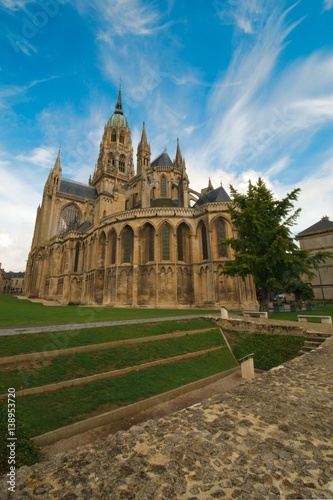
246 85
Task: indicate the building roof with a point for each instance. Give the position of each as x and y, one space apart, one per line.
319 227
77 189
107 193
118 118
163 160
84 226
218 194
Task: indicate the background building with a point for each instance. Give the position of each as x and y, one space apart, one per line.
11 282
136 239
319 237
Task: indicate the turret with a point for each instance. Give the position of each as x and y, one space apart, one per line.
143 153
53 181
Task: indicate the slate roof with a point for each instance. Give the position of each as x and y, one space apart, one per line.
84 226
107 193
218 194
77 189
319 227
163 160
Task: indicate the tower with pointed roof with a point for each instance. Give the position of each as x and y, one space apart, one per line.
115 160
133 238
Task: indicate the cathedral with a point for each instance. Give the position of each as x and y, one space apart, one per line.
139 238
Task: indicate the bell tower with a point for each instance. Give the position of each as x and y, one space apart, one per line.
115 161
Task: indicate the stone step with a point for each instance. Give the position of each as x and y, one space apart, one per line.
308 349
313 342
320 338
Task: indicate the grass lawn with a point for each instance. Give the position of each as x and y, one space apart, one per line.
83 364
70 405
292 316
11 345
49 411
16 312
269 350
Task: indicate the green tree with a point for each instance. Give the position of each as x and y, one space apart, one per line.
264 246
301 290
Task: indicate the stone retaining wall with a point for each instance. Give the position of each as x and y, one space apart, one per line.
260 326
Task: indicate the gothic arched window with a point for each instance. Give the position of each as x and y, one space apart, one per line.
122 163
183 242
113 136
127 240
101 250
76 257
220 236
148 243
121 138
110 160
163 187
69 219
113 246
204 246
165 242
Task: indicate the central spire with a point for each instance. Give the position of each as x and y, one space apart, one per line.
118 110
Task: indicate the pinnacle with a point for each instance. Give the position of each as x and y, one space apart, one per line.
119 105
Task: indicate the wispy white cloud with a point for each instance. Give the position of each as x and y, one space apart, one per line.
11 94
78 138
42 156
278 167
14 4
261 122
328 5
234 108
268 112
123 17
246 16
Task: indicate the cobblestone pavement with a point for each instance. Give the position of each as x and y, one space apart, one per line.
266 439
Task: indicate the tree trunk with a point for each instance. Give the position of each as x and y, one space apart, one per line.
265 295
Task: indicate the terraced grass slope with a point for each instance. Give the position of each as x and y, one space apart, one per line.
47 411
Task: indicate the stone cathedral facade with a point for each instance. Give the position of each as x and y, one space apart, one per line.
133 238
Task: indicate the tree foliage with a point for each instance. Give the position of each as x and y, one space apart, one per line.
264 246
301 290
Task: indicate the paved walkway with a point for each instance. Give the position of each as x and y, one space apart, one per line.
96 324
308 326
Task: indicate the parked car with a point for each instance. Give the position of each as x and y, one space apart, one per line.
280 297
